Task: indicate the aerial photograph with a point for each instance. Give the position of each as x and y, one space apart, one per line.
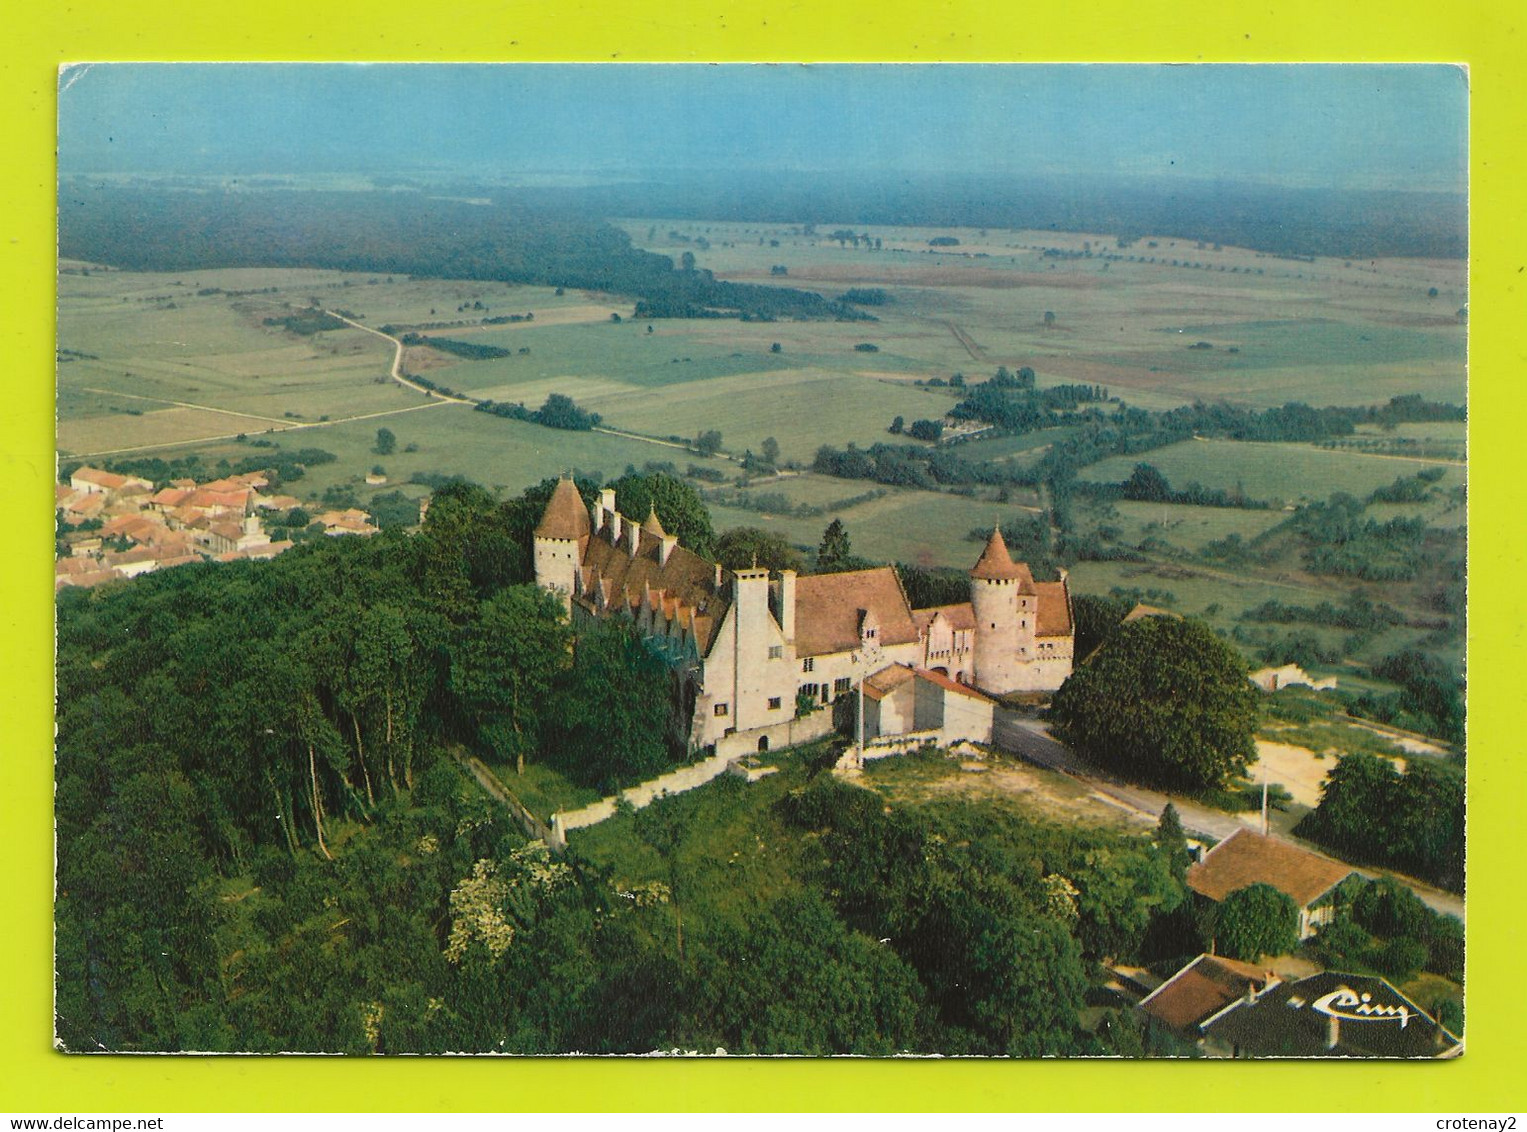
815 560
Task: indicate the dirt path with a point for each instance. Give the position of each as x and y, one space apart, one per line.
282 426
397 361
189 405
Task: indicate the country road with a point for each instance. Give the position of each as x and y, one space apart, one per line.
397 360
1030 740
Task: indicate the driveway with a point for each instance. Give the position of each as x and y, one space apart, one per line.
1030 740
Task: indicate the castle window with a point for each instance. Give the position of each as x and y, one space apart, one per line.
842 684
774 703
776 651
808 664
721 709
810 690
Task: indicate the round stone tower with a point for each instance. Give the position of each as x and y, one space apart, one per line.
1003 600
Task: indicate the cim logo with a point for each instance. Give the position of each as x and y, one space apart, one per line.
1347 1003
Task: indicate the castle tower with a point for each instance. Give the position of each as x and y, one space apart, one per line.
560 540
1003 599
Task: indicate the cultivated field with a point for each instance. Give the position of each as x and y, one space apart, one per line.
1279 473
164 365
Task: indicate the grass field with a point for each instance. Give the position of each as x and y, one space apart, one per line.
161 357
453 440
801 409
1189 527
923 528
1274 472
1327 332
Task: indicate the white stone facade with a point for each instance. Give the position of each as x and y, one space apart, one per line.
746 646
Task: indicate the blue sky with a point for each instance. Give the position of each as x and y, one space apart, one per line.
1384 126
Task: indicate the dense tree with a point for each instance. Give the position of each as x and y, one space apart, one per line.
679 507
505 666
1173 843
795 977
1370 811
386 442
708 443
1095 618
769 450
633 734
835 553
1255 921
1163 701
742 547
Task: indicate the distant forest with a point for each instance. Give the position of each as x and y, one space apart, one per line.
1275 219
405 234
1268 218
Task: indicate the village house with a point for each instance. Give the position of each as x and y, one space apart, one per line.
1199 992
1246 858
760 657
142 530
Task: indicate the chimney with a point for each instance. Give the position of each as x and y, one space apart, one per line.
633 536
718 577
665 548
1333 1031
607 506
787 606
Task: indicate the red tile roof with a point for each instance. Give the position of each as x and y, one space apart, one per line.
1054 619
951 685
829 609
1201 990
685 583
881 684
565 517
100 478
962 616
996 564
1246 858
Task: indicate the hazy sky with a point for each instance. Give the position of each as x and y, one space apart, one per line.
1351 126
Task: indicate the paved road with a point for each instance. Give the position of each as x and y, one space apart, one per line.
1030 740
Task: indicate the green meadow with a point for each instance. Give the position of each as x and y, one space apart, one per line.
1286 473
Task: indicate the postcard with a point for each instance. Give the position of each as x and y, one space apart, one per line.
815 560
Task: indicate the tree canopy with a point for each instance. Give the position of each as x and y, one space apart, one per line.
1163 701
1255 921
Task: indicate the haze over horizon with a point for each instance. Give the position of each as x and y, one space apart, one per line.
1348 126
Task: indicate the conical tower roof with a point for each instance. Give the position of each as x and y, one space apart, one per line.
651 526
565 516
995 564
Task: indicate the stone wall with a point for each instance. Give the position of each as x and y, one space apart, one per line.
728 750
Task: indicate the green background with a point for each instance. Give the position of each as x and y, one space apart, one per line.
1485 35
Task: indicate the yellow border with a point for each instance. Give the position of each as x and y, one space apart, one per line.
1486 35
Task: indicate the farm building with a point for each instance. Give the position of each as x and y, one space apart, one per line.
761 655
1246 858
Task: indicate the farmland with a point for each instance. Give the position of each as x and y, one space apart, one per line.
1283 473
167 364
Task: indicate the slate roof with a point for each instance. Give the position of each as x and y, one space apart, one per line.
565 516
1246 858
829 609
1287 1021
1201 990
